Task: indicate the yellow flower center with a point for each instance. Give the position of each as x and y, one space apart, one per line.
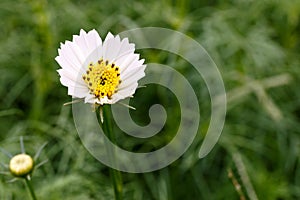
21 165
102 79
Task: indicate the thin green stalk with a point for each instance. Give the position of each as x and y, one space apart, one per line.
116 175
30 188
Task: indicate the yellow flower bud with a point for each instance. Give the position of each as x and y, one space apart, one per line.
21 165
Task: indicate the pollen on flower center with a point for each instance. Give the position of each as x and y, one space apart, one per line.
102 79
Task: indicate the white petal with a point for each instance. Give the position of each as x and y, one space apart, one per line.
116 49
88 43
132 79
108 36
77 92
126 47
78 51
68 53
129 90
117 97
68 82
133 69
125 63
111 46
80 41
65 64
71 78
66 60
93 40
73 52
89 99
111 49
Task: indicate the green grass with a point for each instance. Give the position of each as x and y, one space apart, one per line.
256 46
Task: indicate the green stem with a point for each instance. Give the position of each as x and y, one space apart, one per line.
30 188
116 175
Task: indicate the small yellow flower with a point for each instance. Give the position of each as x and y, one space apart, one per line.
21 165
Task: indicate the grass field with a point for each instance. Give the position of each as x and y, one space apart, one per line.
255 45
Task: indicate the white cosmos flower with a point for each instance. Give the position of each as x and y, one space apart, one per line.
100 72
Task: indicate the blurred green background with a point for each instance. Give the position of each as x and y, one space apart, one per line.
254 43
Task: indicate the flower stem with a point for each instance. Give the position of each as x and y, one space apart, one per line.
30 188
116 175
